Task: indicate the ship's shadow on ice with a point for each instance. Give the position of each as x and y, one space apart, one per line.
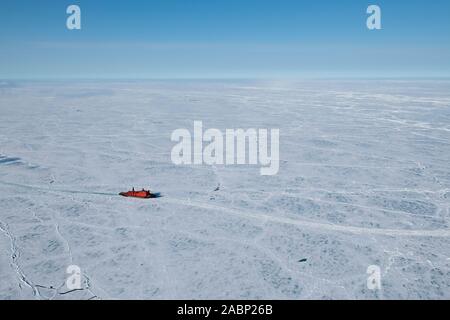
156 195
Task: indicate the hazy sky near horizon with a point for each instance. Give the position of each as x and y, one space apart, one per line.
224 39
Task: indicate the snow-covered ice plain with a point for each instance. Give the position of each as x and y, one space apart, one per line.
364 180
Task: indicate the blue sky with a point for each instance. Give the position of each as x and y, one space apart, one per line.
224 39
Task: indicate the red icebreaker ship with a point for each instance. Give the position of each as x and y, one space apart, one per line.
144 194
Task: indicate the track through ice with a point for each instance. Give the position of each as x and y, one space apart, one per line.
253 215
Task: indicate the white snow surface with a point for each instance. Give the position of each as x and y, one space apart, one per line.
364 180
